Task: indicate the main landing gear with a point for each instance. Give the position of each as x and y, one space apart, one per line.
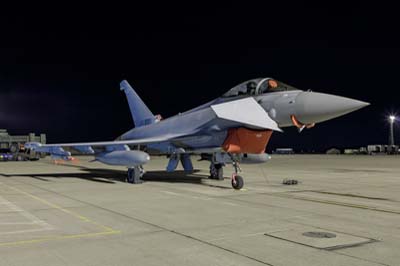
217 171
135 174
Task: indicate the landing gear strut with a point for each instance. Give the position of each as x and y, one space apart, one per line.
216 171
135 174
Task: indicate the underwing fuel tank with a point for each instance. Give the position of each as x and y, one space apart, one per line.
248 158
124 158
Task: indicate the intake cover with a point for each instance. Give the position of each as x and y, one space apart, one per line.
242 140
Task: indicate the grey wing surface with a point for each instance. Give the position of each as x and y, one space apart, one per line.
116 142
86 147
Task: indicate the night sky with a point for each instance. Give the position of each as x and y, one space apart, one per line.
60 66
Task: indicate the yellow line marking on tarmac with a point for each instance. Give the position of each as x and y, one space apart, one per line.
107 230
45 239
77 215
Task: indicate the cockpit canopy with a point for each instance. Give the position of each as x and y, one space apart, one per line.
258 86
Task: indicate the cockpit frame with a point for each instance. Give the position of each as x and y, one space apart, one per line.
257 86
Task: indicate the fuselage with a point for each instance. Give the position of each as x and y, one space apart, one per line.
286 105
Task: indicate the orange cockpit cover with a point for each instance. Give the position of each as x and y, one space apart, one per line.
242 140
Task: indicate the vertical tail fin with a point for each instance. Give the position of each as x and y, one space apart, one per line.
141 114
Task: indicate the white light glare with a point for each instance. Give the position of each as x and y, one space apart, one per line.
392 118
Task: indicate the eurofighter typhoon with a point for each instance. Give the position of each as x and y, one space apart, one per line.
232 129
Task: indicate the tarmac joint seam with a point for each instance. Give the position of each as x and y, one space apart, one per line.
106 230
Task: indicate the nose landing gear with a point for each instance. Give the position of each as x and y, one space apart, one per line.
217 162
237 181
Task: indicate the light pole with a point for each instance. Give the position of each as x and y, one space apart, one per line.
392 118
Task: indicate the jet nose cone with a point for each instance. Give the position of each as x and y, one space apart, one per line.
313 107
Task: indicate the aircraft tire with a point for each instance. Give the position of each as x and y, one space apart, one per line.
134 175
217 171
237 182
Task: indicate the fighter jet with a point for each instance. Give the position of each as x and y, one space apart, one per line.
233 129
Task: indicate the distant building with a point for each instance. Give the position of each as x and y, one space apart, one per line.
363 150
393 149
382 149
12 146
333 151
284 151
377 148
351 151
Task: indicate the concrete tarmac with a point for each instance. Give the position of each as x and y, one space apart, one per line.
344 211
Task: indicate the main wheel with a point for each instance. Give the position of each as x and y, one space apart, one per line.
237 182
134 175
217 171
129 178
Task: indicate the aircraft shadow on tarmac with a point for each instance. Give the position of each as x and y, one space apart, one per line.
112 176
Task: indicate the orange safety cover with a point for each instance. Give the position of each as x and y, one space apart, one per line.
242 140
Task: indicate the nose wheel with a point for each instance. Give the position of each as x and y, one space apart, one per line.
237 181
135 174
